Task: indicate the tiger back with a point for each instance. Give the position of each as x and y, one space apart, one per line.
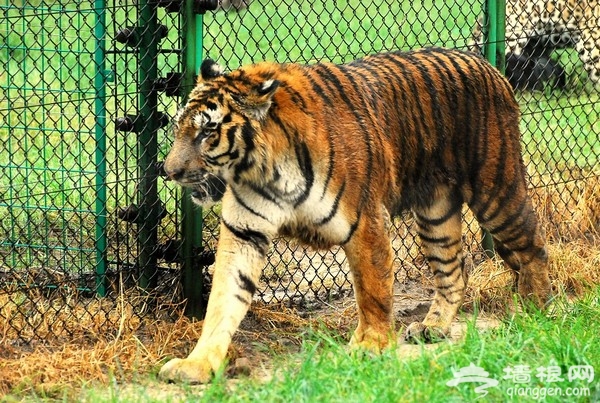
324 153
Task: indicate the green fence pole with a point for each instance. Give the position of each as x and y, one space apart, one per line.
148 143
501 35
494 46
491 41
100 137
191 226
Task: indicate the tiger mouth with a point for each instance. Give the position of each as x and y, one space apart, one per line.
209 191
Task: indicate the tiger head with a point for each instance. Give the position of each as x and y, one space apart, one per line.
218 133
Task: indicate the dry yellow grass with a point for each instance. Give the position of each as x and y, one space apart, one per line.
122 346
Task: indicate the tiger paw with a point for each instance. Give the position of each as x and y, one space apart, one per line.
368 341
188 371
418 332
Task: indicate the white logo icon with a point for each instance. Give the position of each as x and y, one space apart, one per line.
473 374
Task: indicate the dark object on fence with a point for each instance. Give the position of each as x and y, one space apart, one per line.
206 258
525 72
136 123
133 36
169 84
171 6
126 123
131 213
202 6
169 251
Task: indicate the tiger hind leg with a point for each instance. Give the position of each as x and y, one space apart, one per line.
519 242
440 231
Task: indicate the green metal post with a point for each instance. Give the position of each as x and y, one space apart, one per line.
100 153
494 46
148 144
501 35
191 226
491 16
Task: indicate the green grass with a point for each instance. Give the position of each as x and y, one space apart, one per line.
560 131
338 31
324 371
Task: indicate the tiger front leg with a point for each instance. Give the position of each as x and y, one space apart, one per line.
241 255
370 256
440 233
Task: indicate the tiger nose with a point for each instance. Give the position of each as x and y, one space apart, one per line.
175 174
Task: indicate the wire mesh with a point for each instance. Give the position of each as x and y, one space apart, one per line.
86 90
83 89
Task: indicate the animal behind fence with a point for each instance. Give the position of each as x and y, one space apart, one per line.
326 153
535 29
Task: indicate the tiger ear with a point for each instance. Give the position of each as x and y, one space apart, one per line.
258 101
209 69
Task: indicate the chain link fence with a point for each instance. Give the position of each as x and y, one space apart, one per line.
87 224
86 93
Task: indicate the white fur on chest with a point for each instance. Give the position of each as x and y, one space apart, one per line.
272 210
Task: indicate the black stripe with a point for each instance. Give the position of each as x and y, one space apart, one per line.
330 167
217 139
231 137
334 208
246 283
261 191
296 97
242 203
517 233
429 239
325 75
509 221
440 260
305 165
245 164
214 160
469 145
434 222
353 228
242 299
410 173
329 74
452 109
435 107
257 239
319 91
402 133
277 120
499 181
447 273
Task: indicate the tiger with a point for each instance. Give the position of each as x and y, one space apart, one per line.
326 153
